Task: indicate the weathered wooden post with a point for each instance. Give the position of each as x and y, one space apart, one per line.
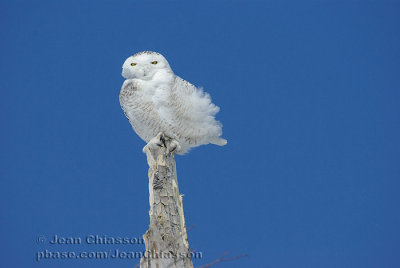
166 239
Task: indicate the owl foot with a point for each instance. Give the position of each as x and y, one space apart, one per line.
161 140
156 142
173 146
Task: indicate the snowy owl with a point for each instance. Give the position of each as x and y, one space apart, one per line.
155 101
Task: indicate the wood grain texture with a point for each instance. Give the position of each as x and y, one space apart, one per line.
166 239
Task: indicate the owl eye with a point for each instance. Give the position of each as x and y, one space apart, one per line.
154 62
133 64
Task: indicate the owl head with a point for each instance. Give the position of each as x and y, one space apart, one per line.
144 65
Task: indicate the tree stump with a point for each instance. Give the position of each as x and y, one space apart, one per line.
166 239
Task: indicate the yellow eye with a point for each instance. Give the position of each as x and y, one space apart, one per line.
133 64
154 62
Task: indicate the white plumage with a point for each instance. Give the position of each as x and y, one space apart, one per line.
155 100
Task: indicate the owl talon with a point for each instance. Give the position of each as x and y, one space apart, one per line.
156 142
162 139
173 146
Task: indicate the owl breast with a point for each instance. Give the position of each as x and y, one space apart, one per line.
140 110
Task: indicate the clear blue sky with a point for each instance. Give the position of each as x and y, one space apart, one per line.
309 96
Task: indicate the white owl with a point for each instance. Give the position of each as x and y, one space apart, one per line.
155 100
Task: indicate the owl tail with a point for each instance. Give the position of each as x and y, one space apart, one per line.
218 141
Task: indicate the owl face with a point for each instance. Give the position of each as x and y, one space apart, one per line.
144 65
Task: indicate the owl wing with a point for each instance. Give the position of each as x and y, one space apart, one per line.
194 114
